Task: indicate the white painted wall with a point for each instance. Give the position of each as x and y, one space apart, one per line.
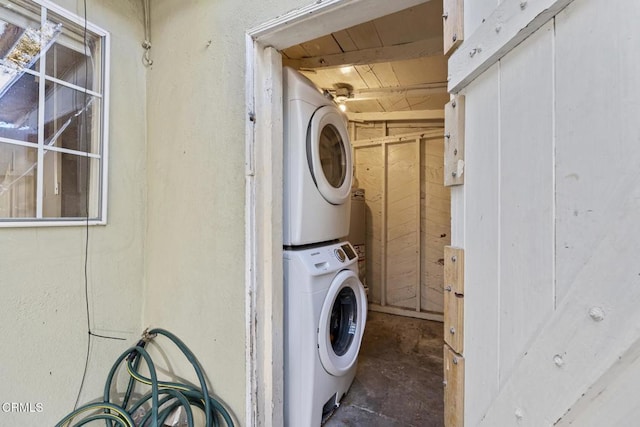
195 258
476 12
549 225
480 238
43 317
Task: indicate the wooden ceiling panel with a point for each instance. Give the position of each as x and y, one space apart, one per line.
417 23
368 75
394 103
385 74
432 102
344 41
394 63
364 106
421 70
365 36
328 77
325 45
295 52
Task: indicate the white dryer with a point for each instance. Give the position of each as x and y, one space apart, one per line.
324 318
317 165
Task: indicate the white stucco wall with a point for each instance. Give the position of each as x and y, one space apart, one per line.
196 241
43 317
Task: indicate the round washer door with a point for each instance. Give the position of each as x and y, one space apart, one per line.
342 320
329 154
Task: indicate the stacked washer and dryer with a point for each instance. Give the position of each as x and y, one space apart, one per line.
325 303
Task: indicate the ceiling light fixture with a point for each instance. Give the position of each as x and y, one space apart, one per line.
341 94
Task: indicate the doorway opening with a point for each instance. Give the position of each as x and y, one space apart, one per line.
385 65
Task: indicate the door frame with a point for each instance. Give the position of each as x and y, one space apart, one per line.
263 188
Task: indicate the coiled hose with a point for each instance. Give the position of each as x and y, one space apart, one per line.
165 396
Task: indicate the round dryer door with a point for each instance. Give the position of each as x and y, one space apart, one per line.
329 154
342 320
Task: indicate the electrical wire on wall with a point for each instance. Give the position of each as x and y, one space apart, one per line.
86 135
165 398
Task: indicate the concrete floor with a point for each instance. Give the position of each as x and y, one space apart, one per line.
399 378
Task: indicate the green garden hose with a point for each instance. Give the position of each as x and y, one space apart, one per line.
165 397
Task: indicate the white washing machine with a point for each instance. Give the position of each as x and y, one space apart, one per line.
325 315
317 165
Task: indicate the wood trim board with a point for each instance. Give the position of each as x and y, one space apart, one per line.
509 24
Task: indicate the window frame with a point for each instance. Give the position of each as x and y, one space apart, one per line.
103 154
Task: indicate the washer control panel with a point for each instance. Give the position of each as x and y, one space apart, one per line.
345 252
348 250
323 259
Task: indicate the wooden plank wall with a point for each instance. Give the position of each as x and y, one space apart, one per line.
526 204
402 219
435 220
415 226
550 226
481 245
509 213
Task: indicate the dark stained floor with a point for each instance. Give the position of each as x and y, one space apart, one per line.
399 379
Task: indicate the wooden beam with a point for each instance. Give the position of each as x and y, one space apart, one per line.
406 91
418 191
426 315
376 55
604 403
305 23
397 115
453 388
509 24
454 167
383 229
452 24
454 298
264 251
370 142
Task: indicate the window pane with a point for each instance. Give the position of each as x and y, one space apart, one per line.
10 35
18 11
70 65
68 179
22 40
19 109
69 56
15 21
71 119
17 181
19 49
